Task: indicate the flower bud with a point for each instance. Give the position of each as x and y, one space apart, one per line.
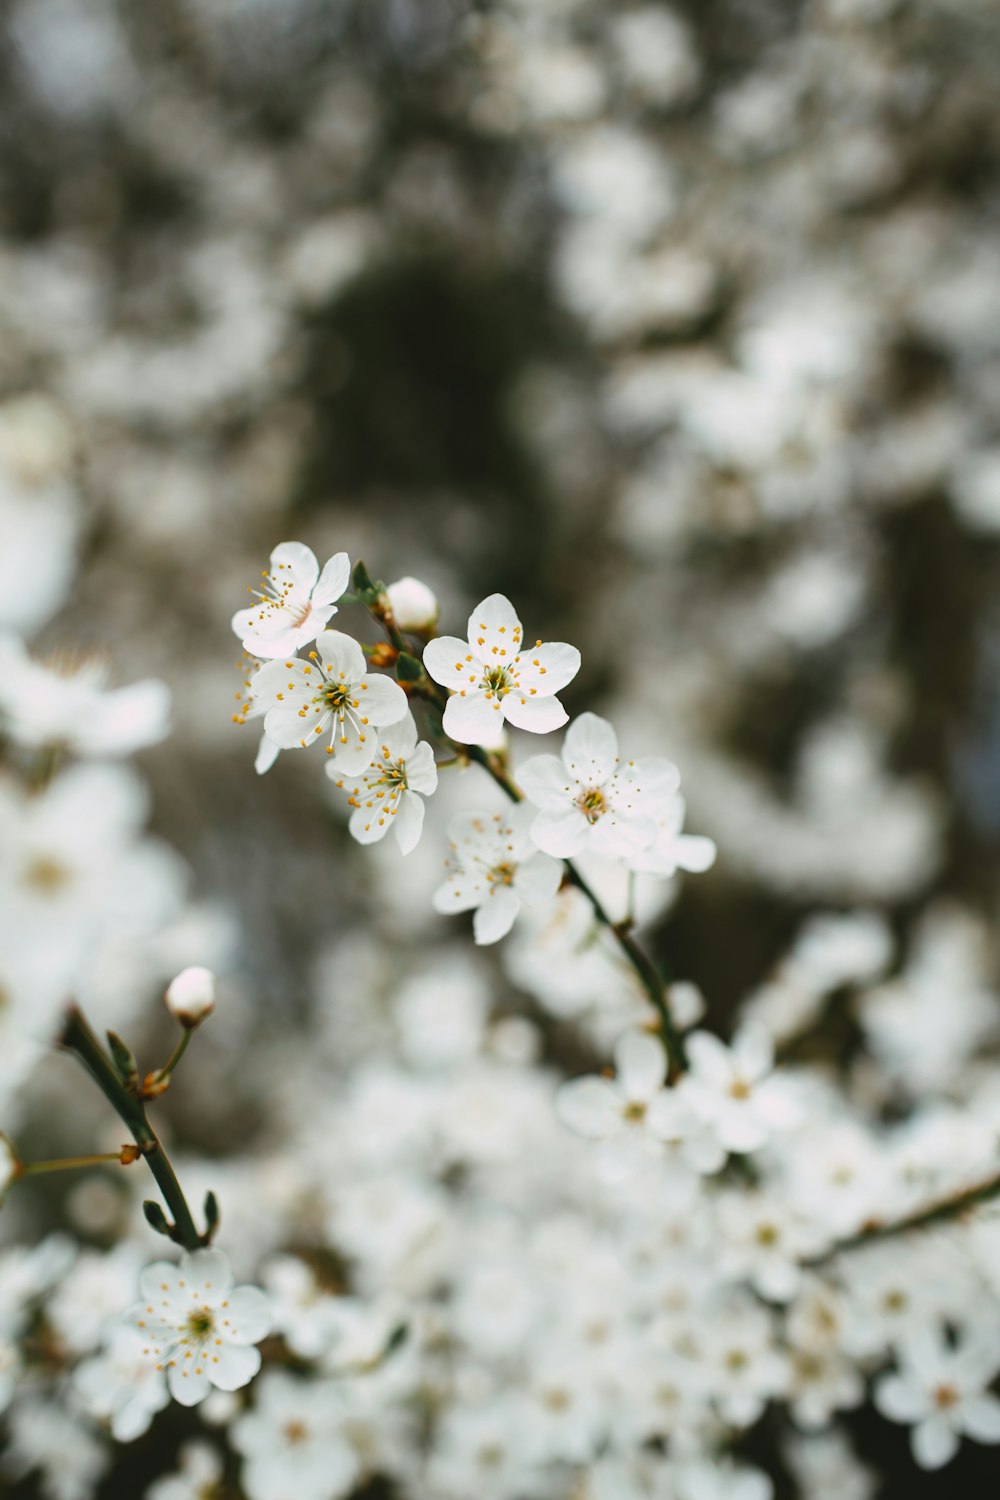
413 604
190 998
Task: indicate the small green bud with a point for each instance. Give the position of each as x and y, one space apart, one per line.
157 1219
211 1217
408 668
124 1060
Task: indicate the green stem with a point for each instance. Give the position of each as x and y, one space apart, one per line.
940 1211
646 970
77 1037
175 1057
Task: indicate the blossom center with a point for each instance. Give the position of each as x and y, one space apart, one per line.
200 1323
739 1089
295 1432
635 1111
945 1397
592 803
335 695
501 875
497 680
46 874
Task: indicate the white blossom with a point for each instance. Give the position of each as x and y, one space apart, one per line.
331 693
199 1475
198 1327
122 1385
589 801
941 1393
65 701
493 677
493 867
390 792
295 603
732 1088
291 1442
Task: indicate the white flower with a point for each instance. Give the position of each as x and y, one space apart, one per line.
66 701
414 605
190 997
492 680
332 692
296 602
46 1436
618 1109
589 801
492 868
198 1327
122 1384
942 1393
199 1476
672 850
400 775
293 1443
731 1088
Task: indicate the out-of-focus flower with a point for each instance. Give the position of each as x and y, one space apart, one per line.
332 692
292 1441
296 602
414 605
605 1109
123 1385
493 867
190 997
199 1328
490 675
942 1393
199 1474
391 792
65 701
732 1088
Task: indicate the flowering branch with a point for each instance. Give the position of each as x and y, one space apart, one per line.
77 1037
940 1211
410 671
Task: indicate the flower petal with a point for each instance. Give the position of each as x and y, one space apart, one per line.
494 630
538 715
590 1106
333 580
187 1387
472 720
233 1366
544 782
537 879
561 834
446 659
340 656
409 821
590 750
548 668
496 916
421 772
381 700
641 1064
296 562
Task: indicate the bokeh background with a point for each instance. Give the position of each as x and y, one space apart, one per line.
678 324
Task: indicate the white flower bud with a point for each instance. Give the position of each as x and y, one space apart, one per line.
190 998
413 604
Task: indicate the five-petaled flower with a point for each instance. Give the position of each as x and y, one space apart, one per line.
493 678
493 867
391 792
330 693
588 801
198 1327
295 603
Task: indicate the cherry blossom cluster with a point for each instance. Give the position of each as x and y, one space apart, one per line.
587 800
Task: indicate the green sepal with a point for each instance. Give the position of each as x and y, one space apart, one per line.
408 668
